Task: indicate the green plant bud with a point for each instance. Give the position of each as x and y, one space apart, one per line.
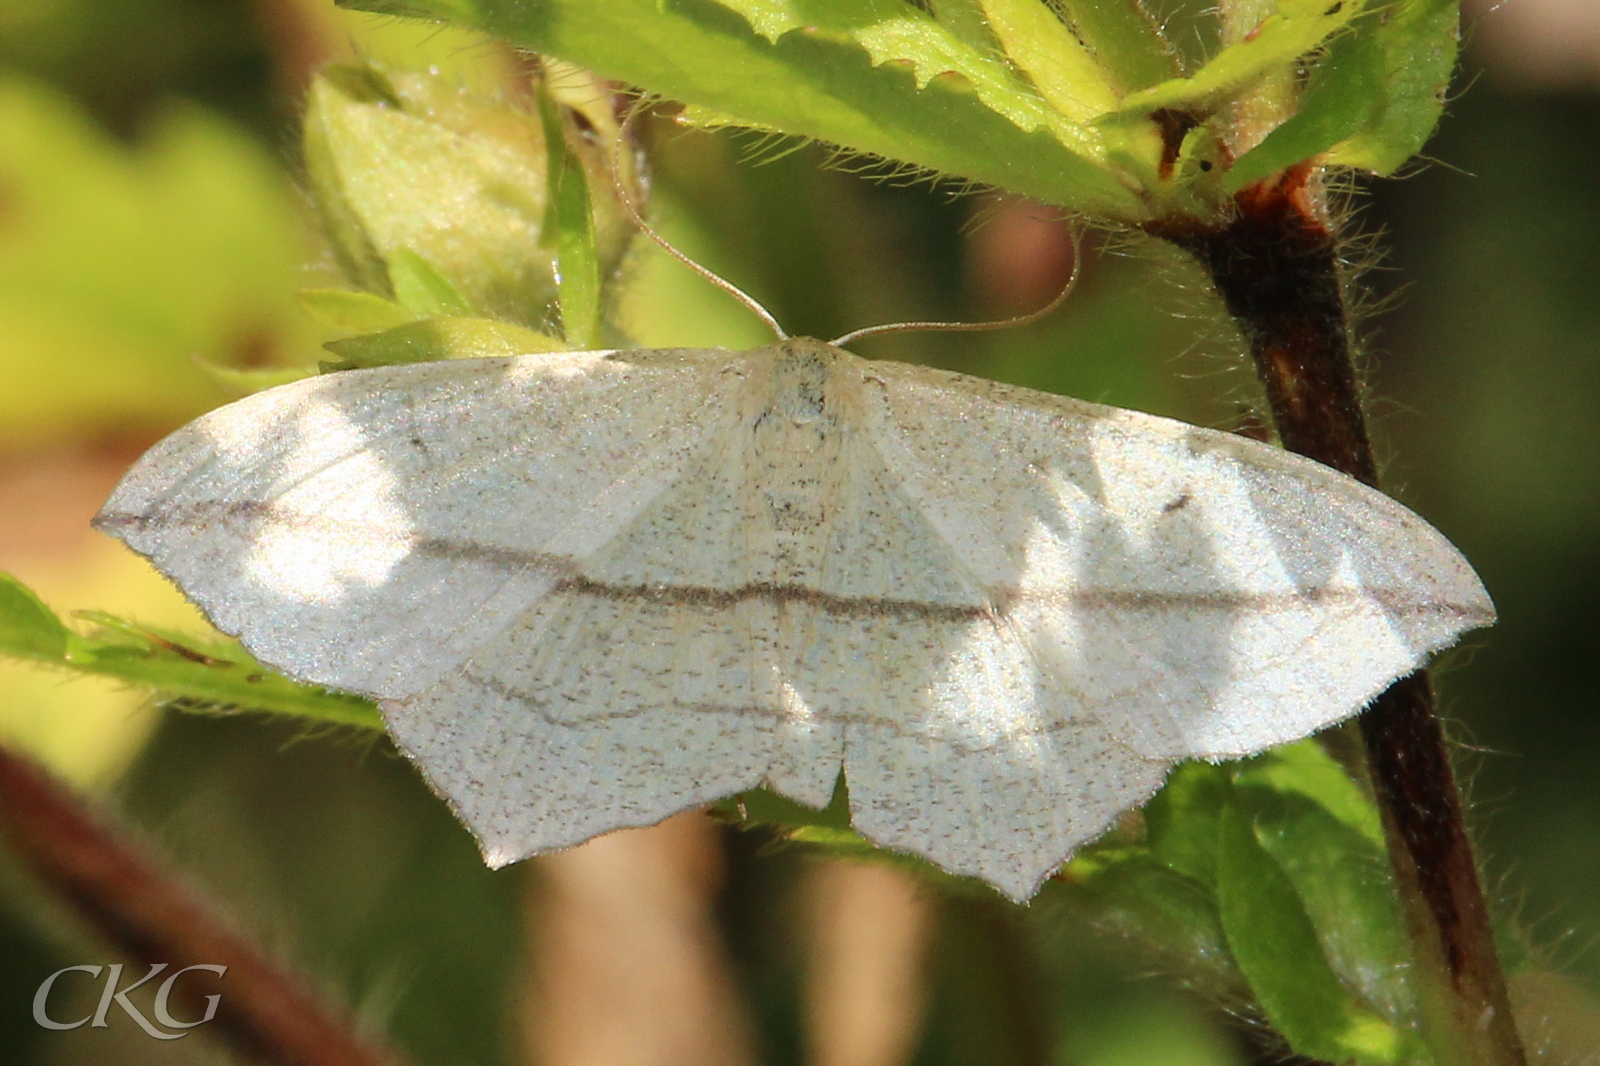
433 194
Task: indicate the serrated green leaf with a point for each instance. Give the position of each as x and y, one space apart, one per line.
896 33
28 629
1342 94
211 674
351 311
1276 946
439 338
818 85
1298 28
422 289
1060 67
1418 40
1126 41
569 228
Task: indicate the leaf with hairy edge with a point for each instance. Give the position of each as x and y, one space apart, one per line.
895 32
825 85
1344 92
1419 40
201 673
1299 27
29 629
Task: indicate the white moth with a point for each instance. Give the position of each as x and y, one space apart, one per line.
594 589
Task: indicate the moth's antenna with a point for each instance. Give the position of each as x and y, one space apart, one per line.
975 327
631 209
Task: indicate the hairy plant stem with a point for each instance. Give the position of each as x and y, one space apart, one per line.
265 1013
1275 263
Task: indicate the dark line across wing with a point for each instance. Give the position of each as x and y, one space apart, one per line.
571 580
542 708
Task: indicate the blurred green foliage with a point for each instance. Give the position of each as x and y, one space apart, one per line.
114 249
121 260
125 61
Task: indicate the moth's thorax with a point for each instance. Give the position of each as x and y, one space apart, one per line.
800 422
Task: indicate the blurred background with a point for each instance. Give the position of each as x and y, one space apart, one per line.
150 220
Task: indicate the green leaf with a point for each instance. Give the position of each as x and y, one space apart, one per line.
569 227
352 312
243 382
1126 41
965 19
1343 93
439 338
1184 819
1276 945
895 33
208 674
1325 837
1418 40
877 77
1298 28
1128 892
421 289
29 629
1304 768
1060 67
1371 101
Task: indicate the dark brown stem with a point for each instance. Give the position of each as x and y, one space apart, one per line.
264 1012
1275 264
